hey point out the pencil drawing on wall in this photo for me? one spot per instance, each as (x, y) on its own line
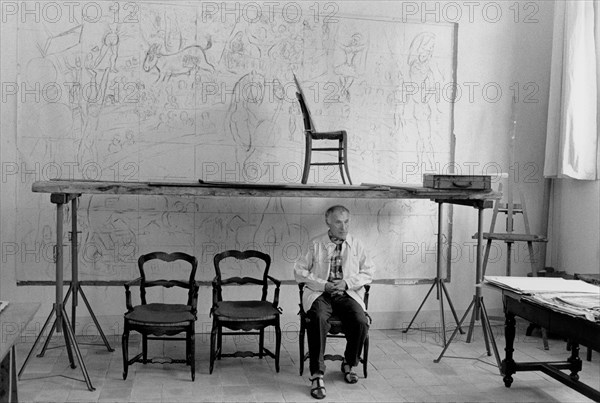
(172, 92)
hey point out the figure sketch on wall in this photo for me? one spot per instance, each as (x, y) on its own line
(239, 54)
(423, 73)
(99, 63)
(250, 120)
(348, 71)
(262, 38)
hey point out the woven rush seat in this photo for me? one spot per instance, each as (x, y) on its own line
(160, 314)
(246, 311)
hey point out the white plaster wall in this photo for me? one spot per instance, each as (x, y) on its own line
(495, 51)
(575, 227)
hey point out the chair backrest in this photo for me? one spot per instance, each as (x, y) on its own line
(308, 123)
(167, 257)
(219, 280)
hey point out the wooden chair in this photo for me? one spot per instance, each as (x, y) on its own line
(336, 331)
(158, 320)
(248, 317)
(312, 134)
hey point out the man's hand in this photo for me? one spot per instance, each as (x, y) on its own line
(340, 285)
(336, 287)
(329, 288)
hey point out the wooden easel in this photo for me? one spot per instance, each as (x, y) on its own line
(510, 237)
(510, 209)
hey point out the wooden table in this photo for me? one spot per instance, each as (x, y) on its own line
(577, 330)
(592, 278)
(13, 320)
(65, 191)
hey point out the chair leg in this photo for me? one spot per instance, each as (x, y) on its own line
(261, 343)
(145, 349)
(345, 146)
(187, 348)
(277, 346)
(219, 342)
(341, 160)
(366, 356)
(213, 339)
(301, 347)
(125, 348)
(192, 356)
(307, 159)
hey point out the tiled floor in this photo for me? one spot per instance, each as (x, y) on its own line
(401, 368)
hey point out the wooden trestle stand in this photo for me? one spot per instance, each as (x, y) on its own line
(62, 323)
(477, 305)
(438, 283)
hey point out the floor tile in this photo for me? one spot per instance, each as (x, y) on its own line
(400, 369)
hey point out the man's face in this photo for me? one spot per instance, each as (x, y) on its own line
(339, 222)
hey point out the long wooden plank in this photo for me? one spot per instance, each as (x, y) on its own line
(253, 190)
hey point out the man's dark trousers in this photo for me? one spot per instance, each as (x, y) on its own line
(355, 326)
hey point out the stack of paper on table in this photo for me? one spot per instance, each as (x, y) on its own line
(533, 285)
(574, 297)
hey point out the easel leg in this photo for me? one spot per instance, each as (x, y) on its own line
(478, 272)
(455, 331)
(420, 306)
(92, 315)
(440, 297)
(451, 307)
(68, 341)
(35, 343)
(472, 323)
(477, 303)
(486, 323)
(438, 284)
(45, 347)
(71, 338)
(484, 329)
(37, 339)
(89, 308)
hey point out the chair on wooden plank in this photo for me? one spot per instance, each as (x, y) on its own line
(160, 320)
(311, 134)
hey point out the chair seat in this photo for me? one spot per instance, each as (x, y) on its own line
(327, 135)
(160, 314)
(245, 311)
(334, 321)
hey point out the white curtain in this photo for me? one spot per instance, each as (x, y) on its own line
(572, 143)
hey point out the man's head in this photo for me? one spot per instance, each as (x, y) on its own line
(338, 221)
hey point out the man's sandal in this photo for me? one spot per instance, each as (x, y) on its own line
(318, 391)
(349, 375)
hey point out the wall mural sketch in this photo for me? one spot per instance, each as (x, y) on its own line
(157, 91)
